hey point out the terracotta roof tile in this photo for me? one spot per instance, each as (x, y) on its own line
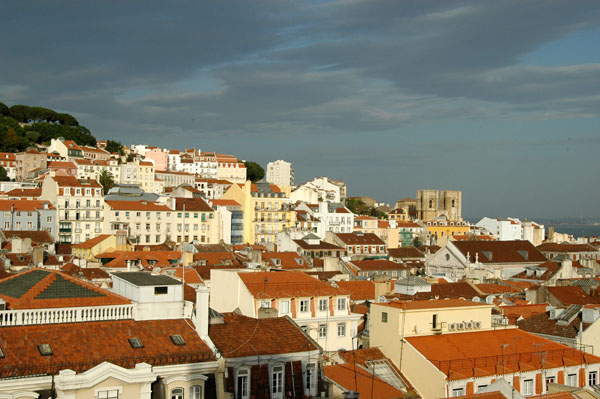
(81, 346)
(40, 237)
(357, 379)
(469, 354)
(42, 288)
(285, 260)
(556, 247)
(241, 336)
(24, 205)
(289, 284)
(92, 242)
(359, 289)
(360, 239)
(405, 252)
(570, 295)
(192, 205)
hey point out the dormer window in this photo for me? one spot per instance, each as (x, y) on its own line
(45, 350)
(136, 343)
(177, 340)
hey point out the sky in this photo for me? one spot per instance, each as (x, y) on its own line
(500, 99)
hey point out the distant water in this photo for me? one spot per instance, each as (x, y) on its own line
(578, 230)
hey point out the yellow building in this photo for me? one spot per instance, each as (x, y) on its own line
(384, 229)
(266, 208)
(102, 243)
(145, 176)
(440, 230)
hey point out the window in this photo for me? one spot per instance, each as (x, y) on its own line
(265, 304)
(322, 330)
(341, 303)
(528, 387)
(322, 304)
(242, 389)
(161, 290)
(434, 321)
(284, 307)
(108, 394)
(341, 327)
(196, 392)
(310, 380)
(277, 382)
(549, 380)
(177, 340)
(458, 392)
(136, 343)
(177, 393)
(304, 305)
(572, 380)
(45, 350)
(592, 378)
(384, 317)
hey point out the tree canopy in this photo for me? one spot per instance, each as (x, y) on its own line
(3, 174)
(254, 171)
(106, 180)
(358, 207)
(22, 126)
(114, 146)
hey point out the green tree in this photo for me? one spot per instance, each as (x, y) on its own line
(106, 180)
(114, 146)
(254, 171)
(3, 174)
(416, 242)
(4, 110)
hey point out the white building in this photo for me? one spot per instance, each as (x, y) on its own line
(320, 189)
(280, 173)
(510, 229)
(330, 217)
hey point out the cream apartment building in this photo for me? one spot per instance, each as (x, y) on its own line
(320, 309)
(267, 210)
(79, 204)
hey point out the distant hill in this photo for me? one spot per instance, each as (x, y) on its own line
(22, 126)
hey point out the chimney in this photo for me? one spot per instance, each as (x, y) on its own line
(201, 321)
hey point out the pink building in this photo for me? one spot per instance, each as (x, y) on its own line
(159, 158)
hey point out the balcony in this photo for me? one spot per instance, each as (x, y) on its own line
(23, 317)
(64, 230)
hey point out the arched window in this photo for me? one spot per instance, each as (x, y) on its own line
(431, 203)
(452, 203)
(177, 393)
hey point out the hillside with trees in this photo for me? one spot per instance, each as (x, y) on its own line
(22, 126)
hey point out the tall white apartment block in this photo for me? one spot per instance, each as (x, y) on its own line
(280, 173)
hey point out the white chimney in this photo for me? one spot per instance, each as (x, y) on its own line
(201, 322)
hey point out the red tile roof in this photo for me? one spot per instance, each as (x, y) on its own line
(148, 259)
(289, 284)
(359, 290)
(470, 354)
(556, 247)
(360, 239)
(192, 205)
(519, 251)
(541, 323)
(496, 288)
(25, 192)
(217, 259)
(285, 260)
(348, 377)
(37, 236)
(379, 264)
(42, 288)
(92, 242)
(241, 336)
(81, 346)
(225, 202)
(137, 206)
(70, 181)
(569, 295)
(433, 304)
(405, 252)
(24, 205)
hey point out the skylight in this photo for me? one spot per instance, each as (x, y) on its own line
(178, 340)
(45, 350)
(1, 353)
(136, 343)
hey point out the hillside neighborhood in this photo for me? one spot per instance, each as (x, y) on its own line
(164, 273)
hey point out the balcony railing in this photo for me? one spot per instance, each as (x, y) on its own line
(23, 317)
